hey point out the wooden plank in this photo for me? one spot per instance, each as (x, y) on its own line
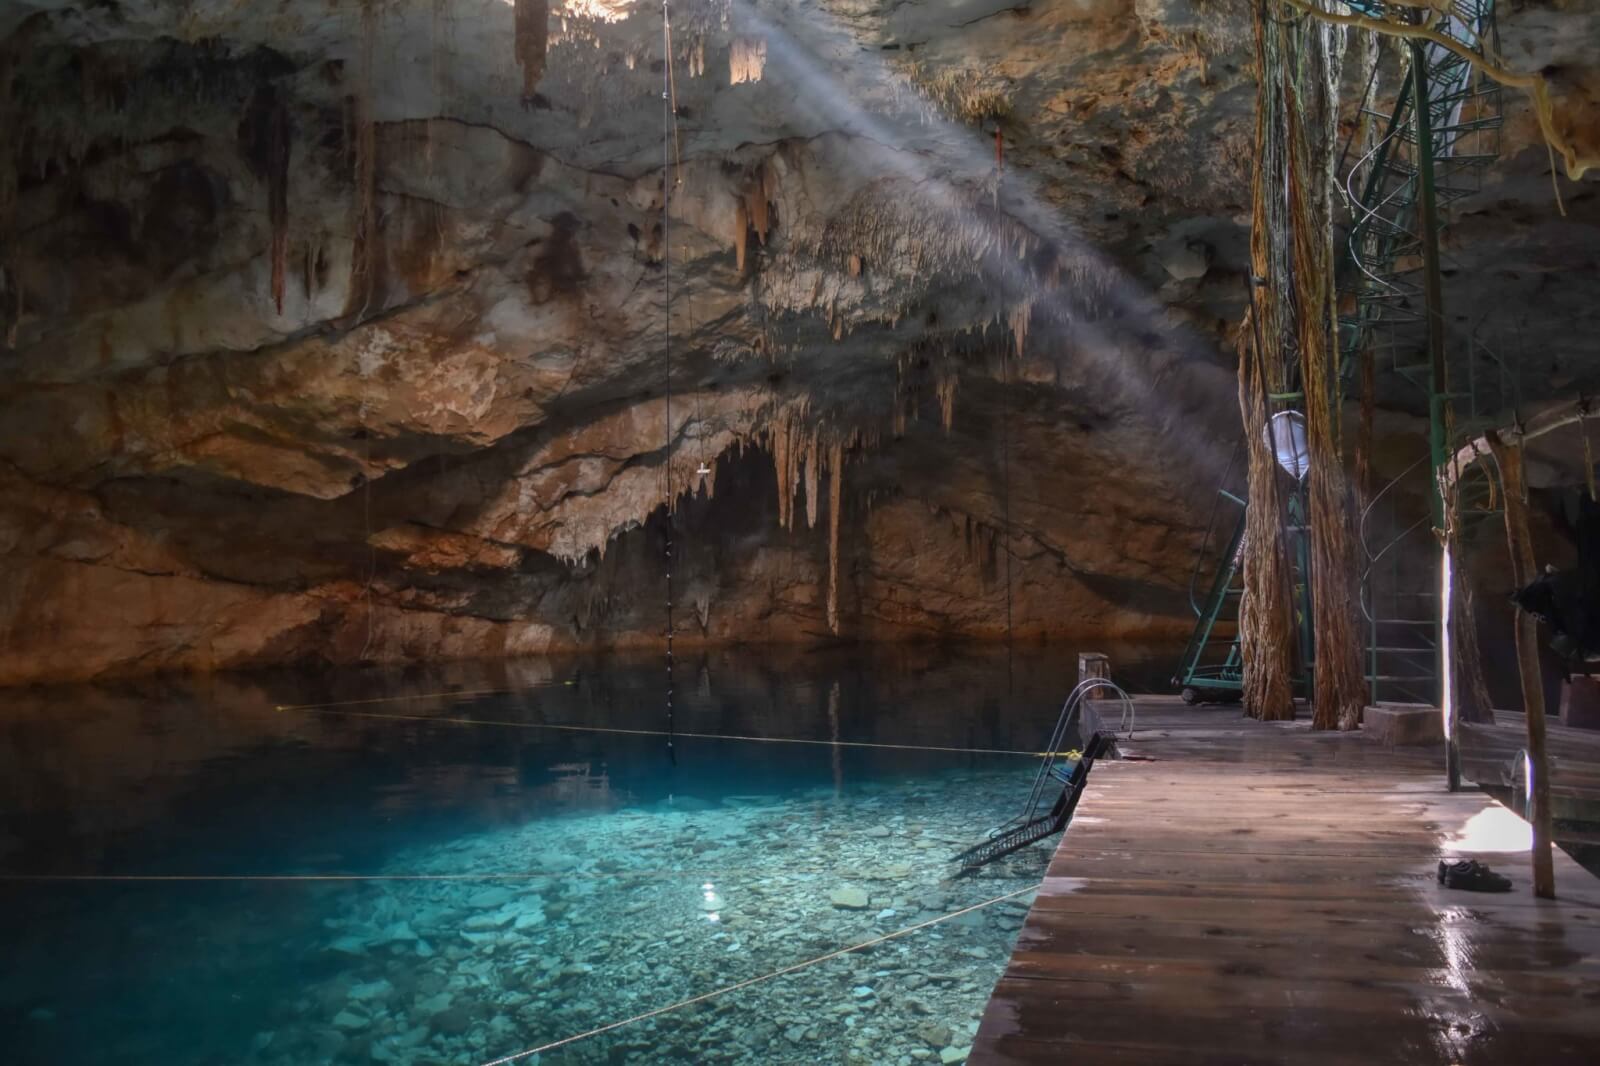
(1273, 899)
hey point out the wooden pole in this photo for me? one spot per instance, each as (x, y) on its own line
(1512, 482)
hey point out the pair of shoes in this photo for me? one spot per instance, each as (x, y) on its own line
(1470, 875)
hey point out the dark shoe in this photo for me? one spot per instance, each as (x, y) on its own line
(1469, 875)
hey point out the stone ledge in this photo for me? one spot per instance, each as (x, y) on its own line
(1403, 723)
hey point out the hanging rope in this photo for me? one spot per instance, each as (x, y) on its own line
(1266, 620)
(668, 113)
(1005, 481)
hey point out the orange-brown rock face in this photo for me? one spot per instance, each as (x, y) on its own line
(344, 333)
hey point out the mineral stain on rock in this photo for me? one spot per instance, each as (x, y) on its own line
(345, 336)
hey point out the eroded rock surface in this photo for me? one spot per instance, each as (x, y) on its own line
(343, 332)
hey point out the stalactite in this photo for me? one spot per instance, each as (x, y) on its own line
(1018, 319)
(747, 59)
(756, 209)
(741, 233)
(697, 58)
(278, 199)
(10, 285)
(780, 438)
(364, 254)
(835, 497)
(813, 460)
(795, 453)
(945, 387)
(532, 21)
(264, 140)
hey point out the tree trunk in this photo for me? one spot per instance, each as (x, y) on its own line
(1266, 616)
(1341, 688)
(1509, 458)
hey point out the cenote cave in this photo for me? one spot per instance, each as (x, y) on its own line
(859, 532)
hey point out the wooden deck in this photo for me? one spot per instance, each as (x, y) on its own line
(1261, 894)
(1489, 754)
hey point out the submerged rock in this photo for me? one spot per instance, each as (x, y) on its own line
(350, 1020)
(853, 899)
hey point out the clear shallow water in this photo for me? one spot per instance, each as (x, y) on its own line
(428, 878)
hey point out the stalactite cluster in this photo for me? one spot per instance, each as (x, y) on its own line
(753, 210)
(277, 145)
(10, 289)
(747, 59)
(532, 39)
(364, 157)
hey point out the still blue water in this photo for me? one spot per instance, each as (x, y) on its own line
(460, 864)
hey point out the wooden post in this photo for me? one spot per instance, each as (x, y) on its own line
(1094, 664)
(1509, 458)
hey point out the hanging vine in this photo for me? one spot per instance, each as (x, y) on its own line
(1266, 622)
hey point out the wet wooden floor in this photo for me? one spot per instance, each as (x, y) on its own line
(1260, 894)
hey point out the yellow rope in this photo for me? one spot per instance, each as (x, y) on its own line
(320, 709)
(1534, 84)
(424, 696)
(714, 993)
(688, 873)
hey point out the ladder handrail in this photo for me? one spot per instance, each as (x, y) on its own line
(1211, 522)
(1070, 709)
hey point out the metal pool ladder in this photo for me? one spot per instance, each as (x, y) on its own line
(1038, 821)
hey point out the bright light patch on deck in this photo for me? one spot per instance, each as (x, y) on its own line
(1493, 829)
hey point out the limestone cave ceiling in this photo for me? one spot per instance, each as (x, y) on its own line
(338, 329)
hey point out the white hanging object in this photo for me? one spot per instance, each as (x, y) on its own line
(1286, 436)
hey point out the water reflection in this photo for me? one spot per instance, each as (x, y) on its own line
(424, 887)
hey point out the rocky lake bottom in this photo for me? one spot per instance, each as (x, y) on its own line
(643, 909)
(286, 890)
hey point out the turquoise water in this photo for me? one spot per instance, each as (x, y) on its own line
(212, 872)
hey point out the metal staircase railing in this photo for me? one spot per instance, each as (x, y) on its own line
(1057, 767)
(1210, 665)
(1387, 286)
(1433, 156)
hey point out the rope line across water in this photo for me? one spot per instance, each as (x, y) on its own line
(692, 874)
(714, 993)
(424, 696)
(446, 720)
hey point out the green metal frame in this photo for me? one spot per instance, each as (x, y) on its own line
(1414, 171)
